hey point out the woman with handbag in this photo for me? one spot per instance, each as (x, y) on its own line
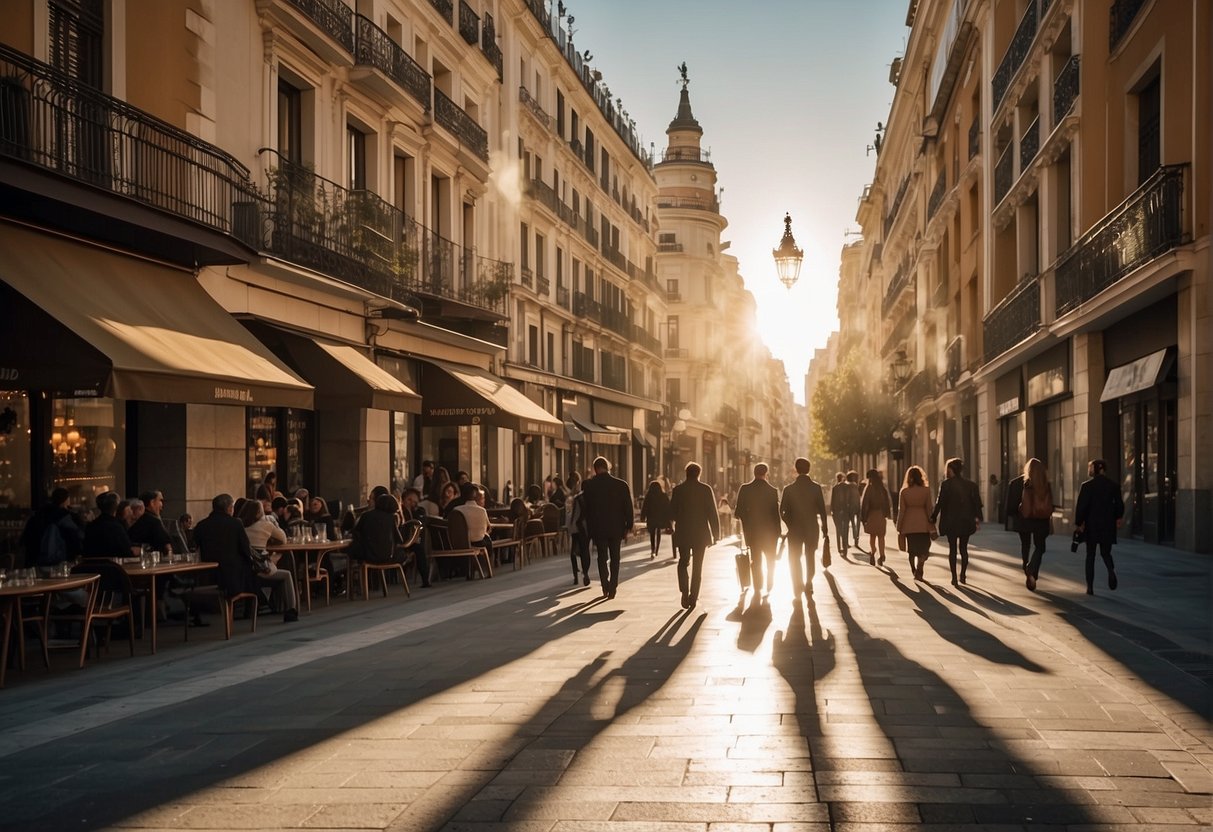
(914, 519)
(1035, 515)
(959, 513)
(875, 507)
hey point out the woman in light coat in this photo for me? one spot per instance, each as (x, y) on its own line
(914, 518)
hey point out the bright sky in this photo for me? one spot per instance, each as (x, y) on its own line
(788, 93)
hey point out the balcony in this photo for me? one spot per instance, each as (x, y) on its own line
(124, 158)
(675, 352)
(921, 387)
(532, 106)
(1014, 319)
(1065, 90)
(526, 277)
(616, 259)
(688, 202)
(469, 24)
(937, 194)
(975, 137)
(895, 206)
(686, 154)
(1004, 173)
(357, 237)
(954, 357)
(375, 49)
(1146, 225)
(446, 8)
(1120, 20)
(489, 47)
(1029, 145)
(669, 248)
(470, 134)
(543, 286)
(562, 296)
(1016, 52)
(326, 26)
(902, 279)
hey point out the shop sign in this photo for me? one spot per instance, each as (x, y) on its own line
(1009, 407)
(478, 411)
(9, 374)
(234, 394)
(1133, 377)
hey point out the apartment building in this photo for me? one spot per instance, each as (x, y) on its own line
(1037, 232)
(586, 310)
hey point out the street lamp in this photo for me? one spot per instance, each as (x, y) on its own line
(900, 369)
(788, 257)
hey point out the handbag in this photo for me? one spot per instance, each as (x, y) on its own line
(742, 560)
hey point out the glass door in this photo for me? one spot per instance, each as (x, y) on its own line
(1130, 468)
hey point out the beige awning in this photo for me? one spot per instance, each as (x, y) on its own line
(81, 321)
(1134, 377)
(456, 394)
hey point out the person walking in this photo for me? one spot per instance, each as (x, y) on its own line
(1035, 515)
(1014, 494)
(801, 507)
(655, 514)
(696, 527)
(608, 519)
(914, 519)
(958, 511)
(579, 543)
(1100, 511)
(875, 507)
(758, 511)
(856, 515)
(843, 497)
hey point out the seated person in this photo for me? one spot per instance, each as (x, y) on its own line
(413, 512)
(449, 499)
(318, 515)
(473, 511)
(260, 532)
(377, 533)
(350, 518)
(106, 536)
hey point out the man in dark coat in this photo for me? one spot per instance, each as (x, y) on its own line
(377, 533)
(1099, 512)
(608, 519)
(758, 511)
(696, 527)
(1011, 512)
(221, 539)
(33, 537)
(105, 536)
(803, 504)
(149, 528)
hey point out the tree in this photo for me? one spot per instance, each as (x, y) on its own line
(851, 414)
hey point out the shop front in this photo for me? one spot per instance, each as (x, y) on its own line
(1012, 436)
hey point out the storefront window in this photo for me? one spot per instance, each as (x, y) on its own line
(88, 451)
(299, 444)
(16, 497)
(280, 440)
(402, 467)
(1055, 426)
(262, 445)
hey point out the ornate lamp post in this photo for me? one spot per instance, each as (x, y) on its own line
(788, 257)
(899, 369)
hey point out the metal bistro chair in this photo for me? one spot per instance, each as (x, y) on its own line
(449, 539)
(365, 567)
(550, 515)
(111, 601)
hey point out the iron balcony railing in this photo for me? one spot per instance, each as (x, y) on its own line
(693, 202)
(891, 216)
(526, 277)
(453, 117)
(1120, 19)
(1065, 90)
(669, 247)
(1004, 173)
(1016, 52)
(446, 8)
(333, 17)
(543, 286)
(534, 108)
(686, 154)
(562, 296)
(955, 362)
(376, 49)
(921, 387)
(469, 24)
(975, 136)
(1146, 225)
(489, 47)
(357, 237)
(1029, 145)
(1014, 319)
(937, 194)
(901, 330)
(616, 259)
(52, 121)
(902, 279)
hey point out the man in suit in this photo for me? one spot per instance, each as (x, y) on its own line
(696, 527)
(758, 511)
(1011, 512)
(608, 519)
(1099, 512)
(803, 504)
(221, 539)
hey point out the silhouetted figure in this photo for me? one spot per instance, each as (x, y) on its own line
(958, 510)
(758, 511)
(1098, 514)
(914, 518)
(696, 527)
(801, 507)
(1035, 515)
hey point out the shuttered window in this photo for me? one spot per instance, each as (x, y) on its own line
(76, 30)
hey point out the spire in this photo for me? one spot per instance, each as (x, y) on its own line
(685, 120)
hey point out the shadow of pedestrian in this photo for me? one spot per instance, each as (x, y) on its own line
(754, 622)
(993, 603)
(957, 630)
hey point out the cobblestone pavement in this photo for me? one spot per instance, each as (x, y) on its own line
(527, 703)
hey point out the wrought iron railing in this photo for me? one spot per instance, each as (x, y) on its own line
(446, 8)
(469, 24)
(1147, 224)
(901, 330)
(543, 286)
(686, 154)
(692, 202)
(616, 259)
(669, 247)
(376, 49)
(534, 108)
(1065, 90)
(921, 387)
(526, 277)
(954, 357)
(53, 122)
(489, 47)
(902, 279)
(1004, 173)
(453, 117)
(357, 237)
(1029, 145)
(937, 193)
(333, 17)
(1017, 50)
(975, 136)
(1120, 19)
(562, 296)
(1015, 318)
(891, 216)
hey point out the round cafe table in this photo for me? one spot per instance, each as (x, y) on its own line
(10, 597)
(302, 553)
(138, 573)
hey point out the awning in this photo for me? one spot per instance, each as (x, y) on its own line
(83, 322)
(456, 394)
(573, 433)
(343, 376)
(595, 432)
(1134, 377)
(641, 439)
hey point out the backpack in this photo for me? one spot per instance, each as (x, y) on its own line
(52, 548)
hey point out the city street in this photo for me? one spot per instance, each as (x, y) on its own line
(527, 703)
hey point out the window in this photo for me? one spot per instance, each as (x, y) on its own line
(1149, 130)
(559, 114)
(672, 339)
(673, 391)
(532, 346)
(666, 238)
(551, 352)
(540, 255)
(290, 123)
(559, 266)
(671, 289)
(356, 157)
(76, 29)
(524, 256)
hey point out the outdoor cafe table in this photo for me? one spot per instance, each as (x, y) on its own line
(319, 548)
(138, 573)
(11, 596)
